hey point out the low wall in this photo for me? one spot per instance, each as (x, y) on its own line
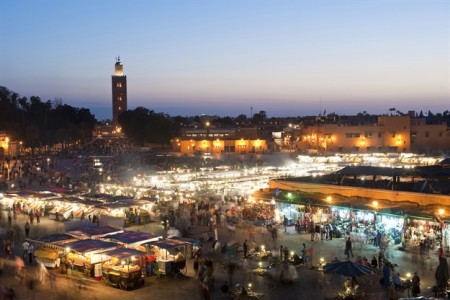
(372, 194)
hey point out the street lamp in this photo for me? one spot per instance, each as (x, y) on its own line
(289, 196)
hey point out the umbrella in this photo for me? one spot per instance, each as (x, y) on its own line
(347, 268)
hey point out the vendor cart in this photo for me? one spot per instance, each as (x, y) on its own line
(170, 255)
(124, 269)
(123, 279)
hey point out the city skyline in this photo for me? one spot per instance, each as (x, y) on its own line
(288, 58)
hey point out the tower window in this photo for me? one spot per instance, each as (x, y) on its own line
(119, 84)
(119, 98)
(120, 108)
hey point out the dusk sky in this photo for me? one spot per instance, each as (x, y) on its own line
(186, 57)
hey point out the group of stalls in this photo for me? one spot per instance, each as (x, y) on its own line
(407, 228)
(120, 258)
(367, 224)
(68, 206)
(423, 232)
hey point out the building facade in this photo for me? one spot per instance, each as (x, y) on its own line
(216, 141)
(119, 91)
(389, 134)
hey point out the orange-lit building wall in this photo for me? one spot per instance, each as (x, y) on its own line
(433, 138)
(220, 146)
(390, 134)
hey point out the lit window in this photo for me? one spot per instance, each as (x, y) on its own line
(119, 84)
(120, 108)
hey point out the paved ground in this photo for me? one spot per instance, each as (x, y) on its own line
(310, 283)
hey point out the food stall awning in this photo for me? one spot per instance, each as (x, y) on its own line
(122, 253)
(131, 237)
(167, 243)
(47, 253)
(63, 191)
(93, 232)
(57, 240)
(377, 171)
(35, 194)
(68, 199)
(110, 198)
(186, 240)
(84, 246)
(149, 199)
(114, 205)
(140, 202)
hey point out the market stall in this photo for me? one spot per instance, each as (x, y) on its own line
(93, 232)
(391, 226)
(169, 255)
(419, 230)
(132, 239)
(259, 212)
(67, 208)
(192, 245)
(50, 248)
(87, 256)
(356, 221)
(128, 209)
(124, 268)
(49, 257)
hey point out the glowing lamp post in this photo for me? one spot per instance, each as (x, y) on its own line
(289, 196)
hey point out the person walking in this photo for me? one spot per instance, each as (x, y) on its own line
(312, 230)
(386, 275)
(348, 248)
(27, 229)
(25, 246)
(285, 223)
(30, 254)
(38, 216)
(245, 246)
(286, 254)
(374, 263)
(378, 239)
(281, 253)
(415, 285)
(305, 260)
(330, 233)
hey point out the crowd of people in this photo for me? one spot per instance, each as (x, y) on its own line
(205, 212)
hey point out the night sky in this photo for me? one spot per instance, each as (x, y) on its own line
(289, 58)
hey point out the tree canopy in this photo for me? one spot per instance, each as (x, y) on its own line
(37, 123)
(142, 125)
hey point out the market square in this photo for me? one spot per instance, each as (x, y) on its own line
(81, 236)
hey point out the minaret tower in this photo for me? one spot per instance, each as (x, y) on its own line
(119, 91)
